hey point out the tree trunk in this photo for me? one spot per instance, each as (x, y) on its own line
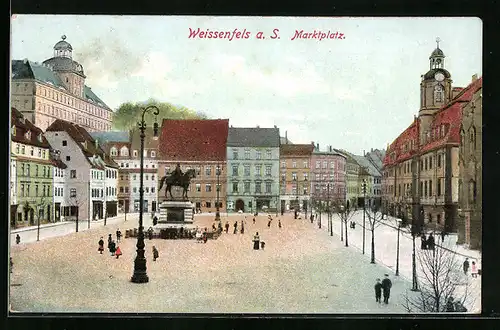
(346, 240)
(373, 246)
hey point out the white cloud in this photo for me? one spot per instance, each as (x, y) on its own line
(154, 67)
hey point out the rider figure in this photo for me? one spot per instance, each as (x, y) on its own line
(177, 172)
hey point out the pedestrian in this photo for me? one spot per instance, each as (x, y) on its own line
(112, 247)
(466, 266)
(118, 235)
(110, 239)
(269, 223)
(213, 227)
(219, 227)
(155, 220)
(256, 241)
(378, 290)
(242, 228)
(118, 252)
(227, 226)
(430, 242)
(205, 235)
(386, 287)
(155, 253)
(101, 245)
(279, 223)
(18, 239)
(312, 218)
(473, 269)
(443, 234)
(254, 220)
(450, 306)
(423, 244)
(150, 233)
(235, 227)
(262, 245)
(11, 264)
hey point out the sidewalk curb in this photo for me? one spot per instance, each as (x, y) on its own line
(30, 228)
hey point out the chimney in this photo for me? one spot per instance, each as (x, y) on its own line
(258, 126)
(371, 150)
(286, 137)
(364, 153)
(317, 146)
(474, 77)
(25, 61)
(275, 126)
(330, 148)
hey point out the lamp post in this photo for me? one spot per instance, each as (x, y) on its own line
(217, 210)
(397, 249)
(364, 213)
(329, 210)
(140, 275)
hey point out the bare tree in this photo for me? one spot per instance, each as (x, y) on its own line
(375, 217)
(345, 214)
(443, 287)
(39, 210)
(76, 203)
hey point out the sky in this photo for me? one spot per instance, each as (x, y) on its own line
(356, 91)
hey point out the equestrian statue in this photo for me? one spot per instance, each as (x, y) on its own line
(179, 179)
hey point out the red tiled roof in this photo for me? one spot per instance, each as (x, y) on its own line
(397, 147)
(193, 139)
(81, 136)
(296, 149)
(449, 117)
(23, 125)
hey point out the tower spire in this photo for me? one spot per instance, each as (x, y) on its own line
(437, 41)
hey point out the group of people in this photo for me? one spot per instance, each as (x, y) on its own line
(270, 220)
(113, 248)
(427, 243)
(474, 271)
(235, 226)
(383, 287)
(202, 235)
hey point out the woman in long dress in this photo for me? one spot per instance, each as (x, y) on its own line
(256, 241)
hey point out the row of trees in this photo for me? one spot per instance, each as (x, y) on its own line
(128, 114)
(442, 285)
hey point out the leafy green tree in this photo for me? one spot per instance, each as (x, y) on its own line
(128, 114)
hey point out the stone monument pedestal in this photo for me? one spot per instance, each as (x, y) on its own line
(175, 214)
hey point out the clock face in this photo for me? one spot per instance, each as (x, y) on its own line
(439, 76)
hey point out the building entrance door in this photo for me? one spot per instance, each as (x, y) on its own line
(240, 205)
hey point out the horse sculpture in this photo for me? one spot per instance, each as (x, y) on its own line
(183, 181)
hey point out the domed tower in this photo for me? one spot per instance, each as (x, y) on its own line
(435, 90)
(70, 72)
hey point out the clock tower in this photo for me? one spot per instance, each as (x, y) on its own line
(435, 90)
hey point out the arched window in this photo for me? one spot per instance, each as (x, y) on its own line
(124, 151)
(462, 140)
(472, 138)
(438, 93)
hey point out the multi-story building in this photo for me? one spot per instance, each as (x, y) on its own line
(376, 157)
(372, 177)
(133, 170)
(470, 198)
(421, 165)
(353, 192)
(56, 89)
(13, 188)
(59, 183)
(198, 145)
(253, 177)
(328, 175)
(295, 176)
(86, 162)
(117, 145)
(33, 170)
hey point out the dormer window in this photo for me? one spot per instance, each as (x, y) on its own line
(40, 138)
(28, 135)
(13, 130)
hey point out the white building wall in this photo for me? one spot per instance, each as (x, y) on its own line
(13, 182)
(150, 184)
(73, 180)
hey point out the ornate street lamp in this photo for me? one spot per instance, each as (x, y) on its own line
(140, 275)
(217, 213)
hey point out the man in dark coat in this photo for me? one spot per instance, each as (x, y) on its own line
(155, 220)
(378, 291)
(18, 239)
(386, 287)
(430, 242)
(178, 172)
(466, 266)
(155, 253)
(112, 248)
(423, 244)
(227, 227)
(235, 227)
(443, 234)
(118, 235)
(101, 245)
(110, 239)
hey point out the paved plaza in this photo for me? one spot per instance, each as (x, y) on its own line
(301, 270)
